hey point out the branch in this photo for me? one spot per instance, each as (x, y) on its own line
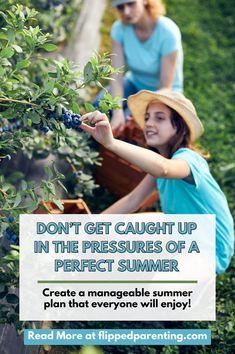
(4, 99)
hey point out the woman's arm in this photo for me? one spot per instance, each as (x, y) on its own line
(118, 118)
(167, 70)
(117, 62)
(132, 201)
(149, 161)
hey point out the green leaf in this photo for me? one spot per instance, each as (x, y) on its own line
(22, 64)
(24, 185)
(32, 206)
(48, 171)
(88, 71)
(10, 35)
(51, 188)
(3, 35)
(49, 47)
(15, 247)
(89, 107)
(17, 200)
(7, 52)
(45, 194)
(2, 71)
(62, 186)
(35, 117)
(29, 41)
(49, 85)
(75, 107)
(58, 174)
(58, 203)
(17, 48)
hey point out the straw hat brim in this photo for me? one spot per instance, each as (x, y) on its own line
(139, 102)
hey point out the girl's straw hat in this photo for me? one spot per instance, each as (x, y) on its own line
(139, 102)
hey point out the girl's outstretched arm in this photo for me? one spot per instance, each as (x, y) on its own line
(149, 161)
(132, 201)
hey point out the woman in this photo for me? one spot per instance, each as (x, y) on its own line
(149, 45)
(175, 167)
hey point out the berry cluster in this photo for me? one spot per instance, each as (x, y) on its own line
(70, 120)
(10, 127)
(10, 234)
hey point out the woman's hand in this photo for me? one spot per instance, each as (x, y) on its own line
(101, 131)
(118, 121)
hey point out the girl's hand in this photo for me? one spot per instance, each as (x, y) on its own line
(101, 131)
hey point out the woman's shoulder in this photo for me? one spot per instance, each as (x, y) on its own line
(167, 25)
(117, 25)
(117, 31)
(120, 29)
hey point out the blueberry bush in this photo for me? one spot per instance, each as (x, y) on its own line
(40, 107)
(58, 17)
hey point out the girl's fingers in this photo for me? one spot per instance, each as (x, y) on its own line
(87, 128)
(94, 117)
(102, 123)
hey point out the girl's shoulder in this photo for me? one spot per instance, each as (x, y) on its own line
(188, 154)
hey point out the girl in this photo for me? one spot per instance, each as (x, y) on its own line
(149, 45)
(179, 172)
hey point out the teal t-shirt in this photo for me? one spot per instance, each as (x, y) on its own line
(143, 58)
(204, 197)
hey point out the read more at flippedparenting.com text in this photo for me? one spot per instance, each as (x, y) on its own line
(117, 336)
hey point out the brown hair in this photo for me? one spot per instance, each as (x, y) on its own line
(182, 137)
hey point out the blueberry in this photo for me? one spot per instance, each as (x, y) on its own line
(45, 130)
(13, 237)
(8, 233)
(8, 236)
(68, 123)
(49, 114)
(6, 128)
(78, 173)
(76, 122)
(11, 218)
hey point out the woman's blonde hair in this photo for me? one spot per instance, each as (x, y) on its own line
(155, 8)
